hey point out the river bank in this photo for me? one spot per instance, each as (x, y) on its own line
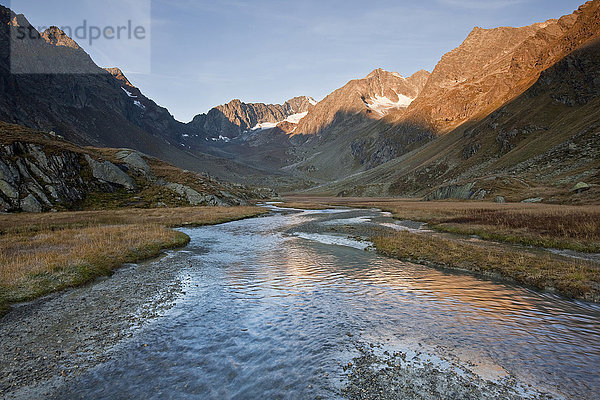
(519, 242)
(44, 253)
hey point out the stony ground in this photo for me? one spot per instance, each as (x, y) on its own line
(379, 374)
(55, 338)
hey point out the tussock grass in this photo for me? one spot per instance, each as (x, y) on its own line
(563, 229)
(43, 253)
(574, 279)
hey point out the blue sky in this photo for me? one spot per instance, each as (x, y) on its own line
(205, 53)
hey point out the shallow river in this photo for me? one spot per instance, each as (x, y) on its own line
(274, 306)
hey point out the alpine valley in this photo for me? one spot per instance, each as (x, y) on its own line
(511, 112)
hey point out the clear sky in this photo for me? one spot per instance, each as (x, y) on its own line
(205, 53)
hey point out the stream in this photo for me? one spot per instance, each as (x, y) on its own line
(284, 306)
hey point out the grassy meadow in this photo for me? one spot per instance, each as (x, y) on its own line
(43, 253)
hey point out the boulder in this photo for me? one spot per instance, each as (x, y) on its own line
(135, 161)
(480, 195)
(193, 197)
(463, 192)
(580, 187)
(30, 204)
(533, 200)
(109, 172)
(499, 199)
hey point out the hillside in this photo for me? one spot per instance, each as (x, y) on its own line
(492, 68)
(41, 172)
(540, 145)
(91, 106)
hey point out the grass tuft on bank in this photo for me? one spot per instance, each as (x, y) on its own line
(542, 225)
(574, 279)
(44, 253)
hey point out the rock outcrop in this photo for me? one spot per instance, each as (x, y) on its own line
(40, 173)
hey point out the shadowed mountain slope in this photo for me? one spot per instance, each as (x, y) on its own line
(540, 145)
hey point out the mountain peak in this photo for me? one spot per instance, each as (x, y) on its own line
(57, 37)
(118, 74)
(381, 71)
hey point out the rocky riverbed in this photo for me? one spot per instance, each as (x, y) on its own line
(51, 340)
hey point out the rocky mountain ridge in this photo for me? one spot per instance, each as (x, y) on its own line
(71, 96)
(493, 66)
(228, 121)
(374, 96)
(542, 146)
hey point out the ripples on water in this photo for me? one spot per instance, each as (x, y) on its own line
(271, 315)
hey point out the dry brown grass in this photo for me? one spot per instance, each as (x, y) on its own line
(42, 253)
(542, 225)
(36, 264)
(571, 278)
(303, 205)
(171, 217)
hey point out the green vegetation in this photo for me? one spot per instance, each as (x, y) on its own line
(43, 253)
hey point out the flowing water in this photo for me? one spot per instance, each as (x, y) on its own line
(274, 306)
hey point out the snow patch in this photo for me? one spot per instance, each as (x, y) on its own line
(140, 105)
(129, 93)
(221, 138)
(295, 118)
(312, 101)
(263, 126)
(382, 105)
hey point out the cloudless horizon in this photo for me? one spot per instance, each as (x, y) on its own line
(206, 53)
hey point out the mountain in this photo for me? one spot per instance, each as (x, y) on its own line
(374, 96)
(505, 102)
(228, 121)
(41, 172)
(541, 143)
(65, 92)
(492, 66)
(337, 126)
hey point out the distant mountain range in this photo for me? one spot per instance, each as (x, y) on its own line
(511, 112)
